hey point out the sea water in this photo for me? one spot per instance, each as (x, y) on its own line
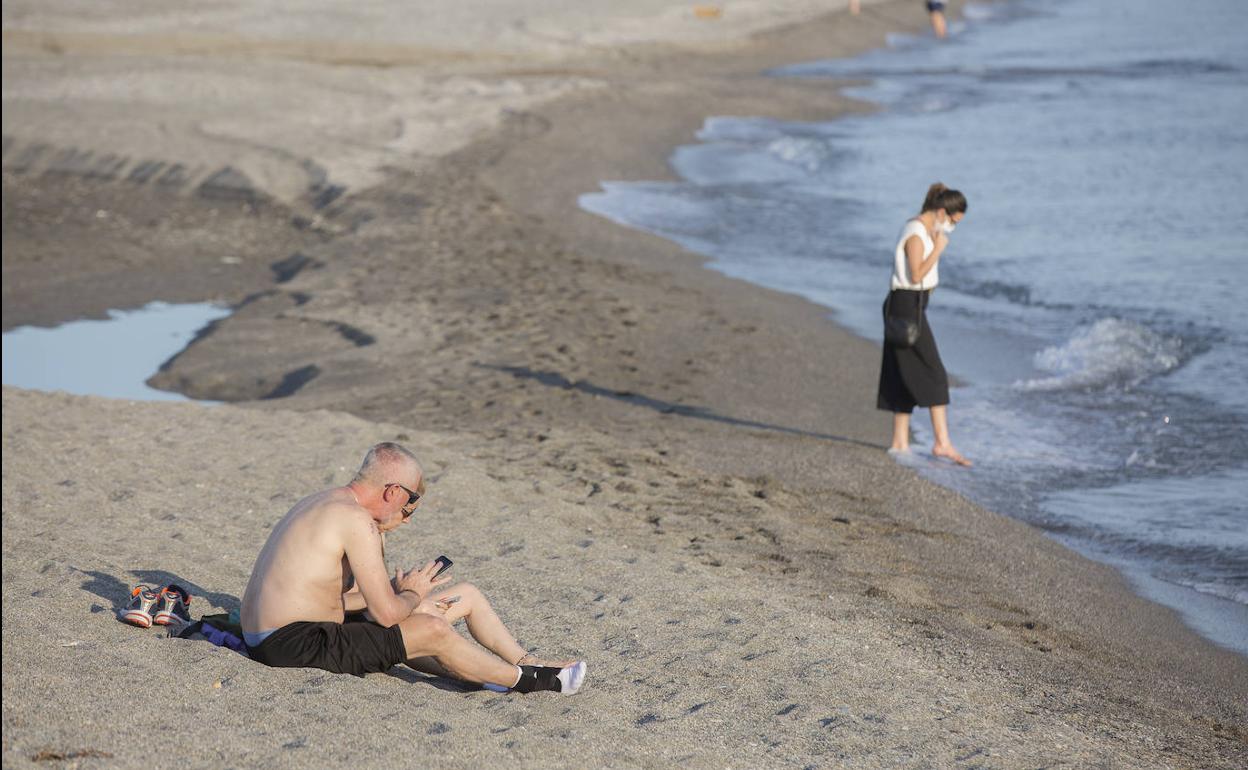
(111, 357)
(1095, 299)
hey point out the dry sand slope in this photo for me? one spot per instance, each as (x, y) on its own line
(671, 474)
(692, 660)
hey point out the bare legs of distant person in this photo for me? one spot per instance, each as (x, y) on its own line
(435, 647)
(943, 446)
(938, 23)
(940, 427)
(901, 432)
(855, 6)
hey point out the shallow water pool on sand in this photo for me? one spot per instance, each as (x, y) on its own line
(112, 357)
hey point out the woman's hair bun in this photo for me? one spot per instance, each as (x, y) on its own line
(941, 197)
(932, 192)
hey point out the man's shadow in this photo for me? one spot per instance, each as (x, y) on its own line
(445, 682)
(117, 592)
(556, 380)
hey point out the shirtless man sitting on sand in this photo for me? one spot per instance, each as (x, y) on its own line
(295, 609)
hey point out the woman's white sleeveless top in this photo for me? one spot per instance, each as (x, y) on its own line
(901, 270)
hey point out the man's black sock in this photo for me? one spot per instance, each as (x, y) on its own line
(535, 678)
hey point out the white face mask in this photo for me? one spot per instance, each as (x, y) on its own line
(948, 226)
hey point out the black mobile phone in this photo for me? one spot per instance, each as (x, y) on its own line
(443, 565)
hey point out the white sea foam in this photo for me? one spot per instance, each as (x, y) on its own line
(979, 11)
(1109, 352)
(1211, 588)
(646, 205)
(806, 153)
(898, 40)
(735, 129)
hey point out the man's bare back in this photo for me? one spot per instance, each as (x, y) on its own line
(303, 571)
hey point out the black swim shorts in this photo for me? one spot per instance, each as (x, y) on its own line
(356, 647)
(935, 5)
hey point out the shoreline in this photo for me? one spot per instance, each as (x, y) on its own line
(1216, 618)
(587, 413)
(597, 230)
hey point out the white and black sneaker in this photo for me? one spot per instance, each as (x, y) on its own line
(174, 607)
(139, 611)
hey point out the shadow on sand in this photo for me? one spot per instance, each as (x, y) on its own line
(411, 675)
(556, 380)
(117, 592)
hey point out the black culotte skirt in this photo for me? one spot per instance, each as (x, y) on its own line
(913, 376)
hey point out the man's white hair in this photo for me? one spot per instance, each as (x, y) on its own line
(385, 460)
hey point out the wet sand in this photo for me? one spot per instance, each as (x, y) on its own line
(675, 475)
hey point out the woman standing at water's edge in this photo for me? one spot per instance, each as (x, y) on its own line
(913, 375)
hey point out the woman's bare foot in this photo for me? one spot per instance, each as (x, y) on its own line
(530, 659)
(949, 453)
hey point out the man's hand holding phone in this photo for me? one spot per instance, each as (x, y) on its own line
(443, 563)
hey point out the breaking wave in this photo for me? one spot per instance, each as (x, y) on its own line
(1109, 353)
(803, 152)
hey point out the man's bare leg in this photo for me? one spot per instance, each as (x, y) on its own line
(938, 23)
(943, 446)
(429, 665)
(428, 635)
(485, 625)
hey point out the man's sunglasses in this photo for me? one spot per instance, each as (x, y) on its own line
(412, 498)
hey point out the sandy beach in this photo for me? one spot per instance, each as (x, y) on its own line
(674, 475)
